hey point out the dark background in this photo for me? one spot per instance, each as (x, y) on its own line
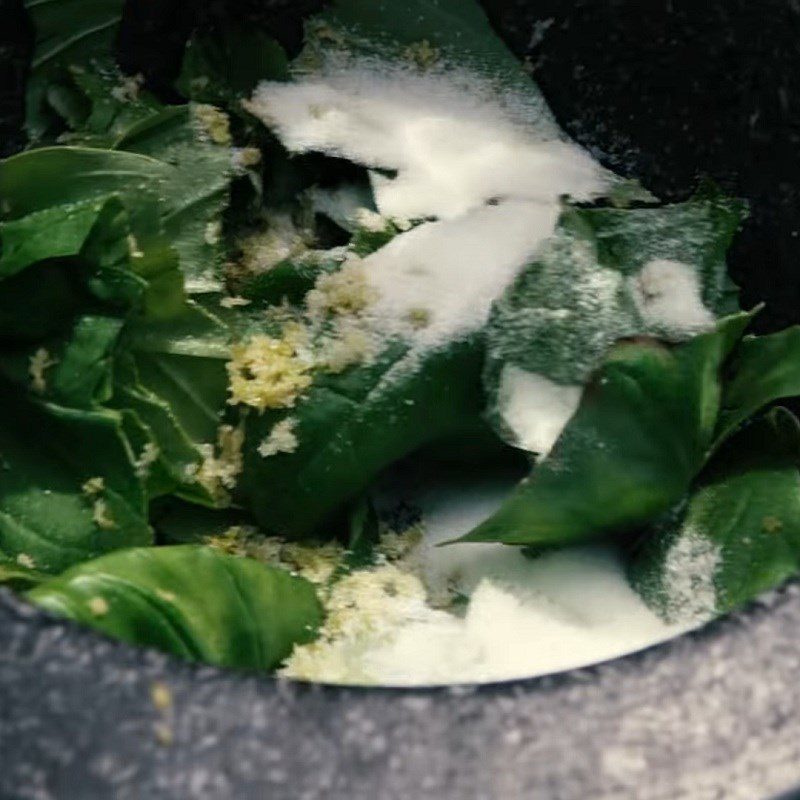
(665, 90)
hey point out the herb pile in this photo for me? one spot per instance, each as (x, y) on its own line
(187, 346)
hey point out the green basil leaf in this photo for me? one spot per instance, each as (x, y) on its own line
(352, 425)
(224, 66)
(47, 455)
(190, 601)
(603, 277)
(68, 32)
(422, 32)
(736, 536)
(764, 369)
(199, 192)
(17, 576)
(640, 435)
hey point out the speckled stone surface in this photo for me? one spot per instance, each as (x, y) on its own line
(711, 716)
(665, 90)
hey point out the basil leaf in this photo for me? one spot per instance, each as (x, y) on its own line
(352, 425)
(68, 32)
(224, 66)
(736, 536)
(603, 277)
(190, 601)
(18, 577)
(641, 434)
(422, 32)
(49, 453)
(764, 369)
(199, 191)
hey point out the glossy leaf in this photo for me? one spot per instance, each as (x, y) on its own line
(736, 536)
(422, 32)
(18, 577)
(765, 369)
(224, 66)
(49, 452)
(352, 425)
(197, 194)
(582, 293)
(67, 32)
(638, 439)
(193, 602)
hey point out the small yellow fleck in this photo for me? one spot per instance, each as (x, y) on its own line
(326, 33)
(265, 372)
(25, 560)
(234, 302)
(40, 362)
(169, 597)
(128, 90)
(244, 157)
(164, 734)
(149, 455)
(347, 291)
(98, 606)
(282, 439)
(161, 695)
(771, 524)
(101, 514)
(419, 318)
(213, 232)
(423, 54)
(221, 466)
(93, 487)
(350, 345)
(214, 122)
(133, 247)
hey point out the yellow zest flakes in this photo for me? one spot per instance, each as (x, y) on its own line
(234, 302)
(149, 455)
(163, 733)
(419, 318)
(423, 54)
(221, 466)
(316, 563)
(265, 372)
(93, 487)
(133, 247)
(40, 362)
(213, 232)
(326, 33)
(245, 157)
(129, 88)
(281, 439)
(24, 560)
(101, 514)
(214, 122)
(347, 291)
(351, 345)
(161, 696)
(98, 606)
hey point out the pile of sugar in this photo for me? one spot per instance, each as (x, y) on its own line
(486, 184)
(535, 408)
(523, 617)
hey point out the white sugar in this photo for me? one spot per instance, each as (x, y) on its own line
(487, 181)
(453, 144)
(453, 270)
(524, 617)
(667, 295)
(534, 408)
(688, 577)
